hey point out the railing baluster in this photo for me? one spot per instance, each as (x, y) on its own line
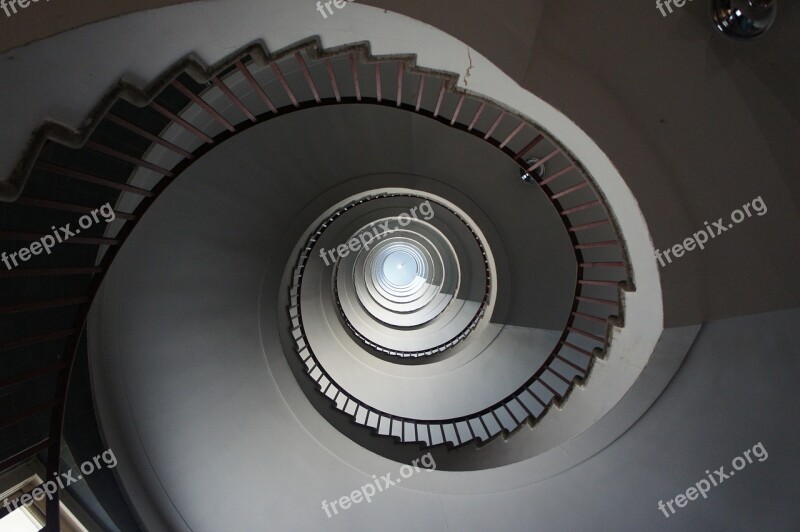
(354, 71)
(582, 207)
(83, 176)
(378, 87)
(458, 109)
(48, 272)
(399, 98)
(544, 159)
(181, 122)
(19, 235)
(300, 61)
(528, 147)
(602, 265)
(439, 100)
(24, 455)
(570, 190)
(494, 125)
(332, 77)
(577, 349)
(557, 175)
(598, 301)
(233, 98)
(420, 90)
(513, 134)
(203, 105)
(587, 335)
(603, 244)
(561, 377)
(570, 364)
(66, 207)
(256, 87)
(149, 136)
(475, 118)
(105, 150)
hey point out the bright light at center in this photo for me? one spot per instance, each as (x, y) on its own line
(400, 268)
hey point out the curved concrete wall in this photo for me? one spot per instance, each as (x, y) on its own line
(155, 430)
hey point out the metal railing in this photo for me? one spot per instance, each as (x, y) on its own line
(63, 173)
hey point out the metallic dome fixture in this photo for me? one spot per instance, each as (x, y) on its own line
(527, 176)
(743, 19)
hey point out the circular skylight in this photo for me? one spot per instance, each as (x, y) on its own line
(400, 268)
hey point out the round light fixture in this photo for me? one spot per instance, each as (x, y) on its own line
(527, 175)
(743, 19)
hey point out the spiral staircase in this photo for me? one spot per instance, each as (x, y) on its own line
(444, 359)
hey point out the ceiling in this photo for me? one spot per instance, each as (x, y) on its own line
(658, 98)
